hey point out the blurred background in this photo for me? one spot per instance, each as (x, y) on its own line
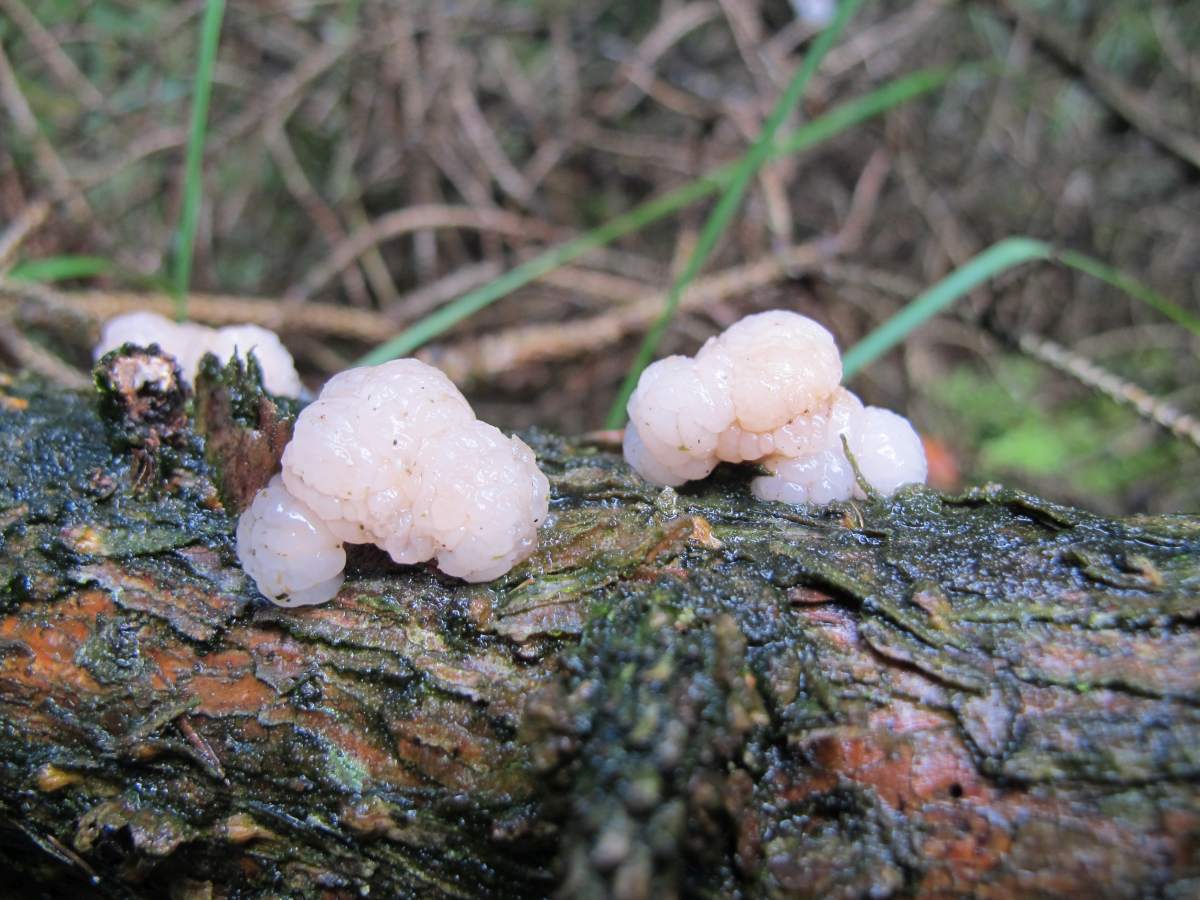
(368, 161)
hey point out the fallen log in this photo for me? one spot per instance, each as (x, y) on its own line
(683, 693)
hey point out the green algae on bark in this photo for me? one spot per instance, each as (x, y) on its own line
(244, 428)
(682, 693)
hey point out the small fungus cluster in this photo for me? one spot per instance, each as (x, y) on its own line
(391, 455)
(767, 390)
(188, 342)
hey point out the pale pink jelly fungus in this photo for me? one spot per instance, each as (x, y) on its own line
(188, 342)
(767, 391)
(394, 456)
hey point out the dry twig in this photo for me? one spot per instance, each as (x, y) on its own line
(336, 322)
(638, 73)
(318, 319)
(139, 148)
(25, 224)
(322, 216)
(285, 93)
(29, 356)
(486, 144)
(26, 124)
(52, 54)
(429, 297)
(1114, 387)
(747, 29)
(492, 355)
(419, 218)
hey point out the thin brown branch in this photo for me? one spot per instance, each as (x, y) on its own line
(517, 85)
(748, 33)
(139, 147)
(603, 285)
(671, 97)
(323, 319)
(864, 201)
(627, 263)
(886, 38)
(27, 126)
(1114, 387)
(493, 355)
(418, 80)
(322, 216)
(30, 357)
(419, 218)
(57, 61)
(26, 223)
(648, 148)
(468, 180)
(877, 280)
(638, 73)
(429, 297)
(483, 139)
(285, 93)
(544, 160)
(374, 265)
(772, 177)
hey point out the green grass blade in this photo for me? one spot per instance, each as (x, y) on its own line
(1135, 289)
(59, 268)
(832, 123)
(998, 258)
(193, 175)
(729, 203)
(859, 110)
(988, 264)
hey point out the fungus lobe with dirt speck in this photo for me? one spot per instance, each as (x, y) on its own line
(767, 391)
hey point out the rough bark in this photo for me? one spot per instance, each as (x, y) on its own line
(683, 693)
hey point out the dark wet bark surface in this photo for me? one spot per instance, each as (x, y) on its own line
(683, 693)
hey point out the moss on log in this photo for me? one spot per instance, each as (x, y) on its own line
(683, 693)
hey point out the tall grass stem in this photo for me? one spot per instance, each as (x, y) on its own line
(193, 169)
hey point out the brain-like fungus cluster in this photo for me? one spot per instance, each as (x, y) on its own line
(767, 390)
(188, 342)
(392, 455)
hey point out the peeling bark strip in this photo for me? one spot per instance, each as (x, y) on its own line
(681, 694)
